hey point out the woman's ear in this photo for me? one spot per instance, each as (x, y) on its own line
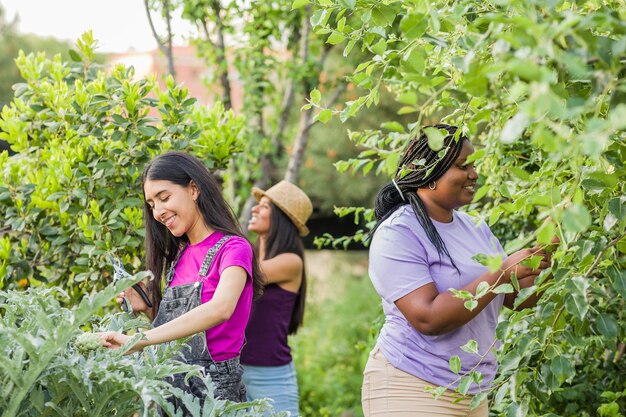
(195, 191)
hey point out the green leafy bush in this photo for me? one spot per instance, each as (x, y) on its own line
(83, 134)
(539, 88)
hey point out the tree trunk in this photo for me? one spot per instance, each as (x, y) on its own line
(267, 169)
(164, 47)
(170, 48)
(299, 146)
(223, 61)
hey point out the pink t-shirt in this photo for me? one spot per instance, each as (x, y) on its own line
(224, 340)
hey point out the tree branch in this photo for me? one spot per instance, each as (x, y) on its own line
(338, 92)
(166, 49)
(599, 256)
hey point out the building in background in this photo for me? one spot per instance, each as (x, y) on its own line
(189, 68)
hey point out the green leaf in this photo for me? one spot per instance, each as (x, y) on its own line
(393, 126)
(493, 262)
(316, 96)
(435, 137)
(465, 384)
(75, 56)
(325, 115)
(380, 47)
(319, 17)
(408, 97)
(523, 295)
(617, 206)
(347, 4)
(470, 304)
(299, 3)
(455, 364)
(576, 218)
(576, 300)
(618, 280)
(546, 233)
(348, 48)
(562, 368)
(413, 25)
(471, 347)
(482, 288)
(119, 119)
(335, 38)
(533, 262)
(148, 130)
(514, 128)
(504, 289)
(607, 326)
(510, 362)
(416, 60)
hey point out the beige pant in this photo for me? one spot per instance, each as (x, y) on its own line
(388, 391)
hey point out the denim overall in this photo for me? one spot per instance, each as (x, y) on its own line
(226, 375)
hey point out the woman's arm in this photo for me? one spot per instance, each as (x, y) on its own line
(282, 269)
(531, 301)
(433, 313)
(216, 311)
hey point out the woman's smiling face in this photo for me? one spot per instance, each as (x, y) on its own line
(457, 186)
(174, 206)
(260, 221)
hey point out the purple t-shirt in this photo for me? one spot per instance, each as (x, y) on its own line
(402, 259)
(224, 340)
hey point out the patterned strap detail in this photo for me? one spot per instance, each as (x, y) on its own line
(170, 270)
(208, 259)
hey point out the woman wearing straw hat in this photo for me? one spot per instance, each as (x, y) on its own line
(279, 220)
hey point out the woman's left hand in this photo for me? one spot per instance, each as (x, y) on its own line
(114, 340)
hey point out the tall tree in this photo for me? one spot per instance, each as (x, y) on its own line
(539, 87)
(265, 61)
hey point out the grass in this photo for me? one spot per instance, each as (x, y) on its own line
(341, 324)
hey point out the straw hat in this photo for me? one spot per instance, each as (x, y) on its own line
(290, 199)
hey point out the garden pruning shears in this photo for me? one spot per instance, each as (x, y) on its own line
(118, 273)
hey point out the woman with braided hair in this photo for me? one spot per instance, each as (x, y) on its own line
(421, 248)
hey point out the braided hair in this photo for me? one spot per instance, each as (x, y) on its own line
(420, 165)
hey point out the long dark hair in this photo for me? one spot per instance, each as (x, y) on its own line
(161, 245)
(419, 166)
(283, 237)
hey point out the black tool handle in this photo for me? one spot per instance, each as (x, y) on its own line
(143, 295)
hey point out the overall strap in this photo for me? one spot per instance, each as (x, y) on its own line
(170, 270)
(210, 255)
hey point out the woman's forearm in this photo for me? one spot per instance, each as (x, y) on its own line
(197, 320)
(446, 312)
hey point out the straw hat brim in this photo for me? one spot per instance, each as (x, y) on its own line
(257, 193)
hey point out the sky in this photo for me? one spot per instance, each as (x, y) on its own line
(118, 25)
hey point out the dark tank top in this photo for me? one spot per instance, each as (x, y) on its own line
(266, 333)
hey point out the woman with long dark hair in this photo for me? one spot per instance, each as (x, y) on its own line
(422, 247)
(279, 221)
(199, 255)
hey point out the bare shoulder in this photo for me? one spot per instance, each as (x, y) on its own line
(289, 261)
(283, 267)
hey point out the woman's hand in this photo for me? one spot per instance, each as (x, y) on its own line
(514, 263)
(114, 340)
(136, 302)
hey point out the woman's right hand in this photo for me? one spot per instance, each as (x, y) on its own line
(514, 263)
(133, 297)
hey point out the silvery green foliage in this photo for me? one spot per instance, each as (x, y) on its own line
(42, 373)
